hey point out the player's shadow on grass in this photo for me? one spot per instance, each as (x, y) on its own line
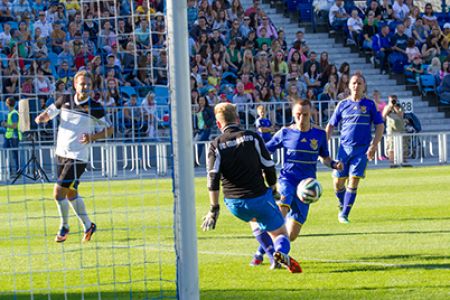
(226, 237)
(374, 233)
(387, 267)
(424, 219)
(405, 256)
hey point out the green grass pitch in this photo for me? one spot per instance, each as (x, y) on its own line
(396, 247)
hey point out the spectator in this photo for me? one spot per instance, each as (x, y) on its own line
(5, 35)
(236, 10)
(355, 27)
(387, 13)
(12, 135)
(369, 30)
(420, 33)
(271, 32)
(412, 50)
(254, 9)
(434, 68)
(344, 69)
(279, 65)
(44, 25)
(132, 117)
(416, 67)
(241, 98)
(234, 33)
(323, 62)
(429, 19)
(5, 11)
(66, 55)
(431, 47)
(398, 58)
(203, 123)
(401, 10)
(57, 38)
(374, 9)
(337, 15)
(393, 114)
(19, 7)
(444, 90)
(149, 109)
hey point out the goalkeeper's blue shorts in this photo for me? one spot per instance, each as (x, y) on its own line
(298, 209)
(262, 208)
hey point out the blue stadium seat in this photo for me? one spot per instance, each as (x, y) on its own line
(409, 76)
(427, 84)
(127, 91)
(161, 94)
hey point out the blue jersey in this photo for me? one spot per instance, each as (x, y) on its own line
(357, 119)
(264, 123)
(301, 151)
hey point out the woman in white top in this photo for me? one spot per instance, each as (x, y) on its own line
(149, 109)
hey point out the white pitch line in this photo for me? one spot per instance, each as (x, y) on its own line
(303, 259)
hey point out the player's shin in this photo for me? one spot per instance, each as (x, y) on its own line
(80, 210)
(265, 242)
(349, 200)
(340, 194)
(282, 244)
(63, 210)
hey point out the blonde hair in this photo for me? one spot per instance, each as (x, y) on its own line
(83, 73)
(225, 113)
(260, 108)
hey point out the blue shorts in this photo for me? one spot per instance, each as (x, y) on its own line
(262, 208)
(355, 161)
(299, 210)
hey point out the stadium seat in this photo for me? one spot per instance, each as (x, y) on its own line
(409, 76)
(427, 84)
(127, 91)
(161, 94)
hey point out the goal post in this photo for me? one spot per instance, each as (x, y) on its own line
(183, 157)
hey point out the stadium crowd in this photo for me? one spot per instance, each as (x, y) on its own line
(236, 54)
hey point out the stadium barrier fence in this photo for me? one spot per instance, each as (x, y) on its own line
(128, 159)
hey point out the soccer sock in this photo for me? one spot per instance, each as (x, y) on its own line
(265, 242)
(340, 195)
(282, 244)
(260, 251)
(349, 199)
(63, 210)
(80, 210)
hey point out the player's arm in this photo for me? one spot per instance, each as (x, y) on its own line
(332, 164)
(329, 130)
(377, 119)
(102, 134)
(213, 178)
(51, 112)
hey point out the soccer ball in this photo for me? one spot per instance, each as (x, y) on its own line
(309, 190)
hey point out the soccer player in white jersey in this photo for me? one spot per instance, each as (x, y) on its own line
(82, 121)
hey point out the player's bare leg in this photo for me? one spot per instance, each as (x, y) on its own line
(293, 229)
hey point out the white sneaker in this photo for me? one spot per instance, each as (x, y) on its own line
(343, 219)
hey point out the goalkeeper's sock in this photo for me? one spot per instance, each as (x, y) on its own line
(80, 210)
(63, 210)
(265, 242)
(349, 200)
(340, 194)
(260, 251)
(282, 244)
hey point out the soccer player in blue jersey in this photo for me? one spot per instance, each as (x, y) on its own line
(356, 116)
(239, 159)
(262, 124)
(302, 143)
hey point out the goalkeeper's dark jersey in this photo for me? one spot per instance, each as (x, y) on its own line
(239, 158)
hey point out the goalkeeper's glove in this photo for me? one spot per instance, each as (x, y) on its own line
(209, 221)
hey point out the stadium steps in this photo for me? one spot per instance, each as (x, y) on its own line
(432, 120)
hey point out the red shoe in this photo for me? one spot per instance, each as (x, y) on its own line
(256, 261)
(88, 233)
(288, 262)
(62, 234)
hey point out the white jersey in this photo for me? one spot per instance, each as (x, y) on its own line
(76, 119)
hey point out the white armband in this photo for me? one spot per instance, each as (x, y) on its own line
(52, 111)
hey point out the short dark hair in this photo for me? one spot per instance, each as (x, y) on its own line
(10, 101)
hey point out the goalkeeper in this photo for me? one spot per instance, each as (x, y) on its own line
(239, 158)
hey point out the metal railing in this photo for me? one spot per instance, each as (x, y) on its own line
(133, 160)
